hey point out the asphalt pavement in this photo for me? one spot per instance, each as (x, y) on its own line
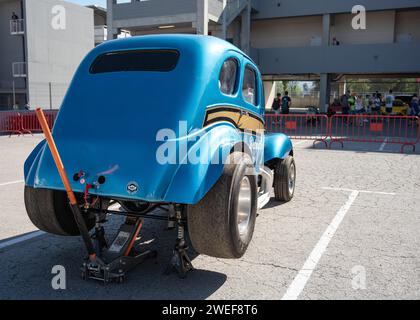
(351, 232)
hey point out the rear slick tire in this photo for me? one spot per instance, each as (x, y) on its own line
(49, 210)
(222, 224)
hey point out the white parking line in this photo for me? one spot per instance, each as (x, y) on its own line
(360, 191)
(383, 145)
(299, 283)
(21, 239)
(11, 182)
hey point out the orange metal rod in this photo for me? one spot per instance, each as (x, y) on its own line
(72, 198)
(57, 159)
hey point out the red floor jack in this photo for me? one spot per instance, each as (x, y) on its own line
(104, 263)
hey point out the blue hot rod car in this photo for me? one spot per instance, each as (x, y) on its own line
(165, 120)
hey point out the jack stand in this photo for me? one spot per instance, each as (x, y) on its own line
(99, 235)
(113, 263)
(119, 258)
(180, 261)
(171, 214)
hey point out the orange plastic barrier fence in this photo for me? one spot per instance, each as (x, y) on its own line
(401, 130)
(13, 122)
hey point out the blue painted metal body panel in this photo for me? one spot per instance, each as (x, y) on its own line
(276, 145)
(108, 123)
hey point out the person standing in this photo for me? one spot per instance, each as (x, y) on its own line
(276, 106)
(414, 104)
(389, 102)
(286, 103)
(377, 103)
(359, 108)
(369, 103)
(360, 104)
(352, 103)
(344, 101)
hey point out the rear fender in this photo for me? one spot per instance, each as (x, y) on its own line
(193, 180)
(31, 163)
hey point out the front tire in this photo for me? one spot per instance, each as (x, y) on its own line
(222, 224)
(285, 179)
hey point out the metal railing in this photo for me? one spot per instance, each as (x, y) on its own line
(399, 130)
(23, 122)
(17, 27)
(19, 69)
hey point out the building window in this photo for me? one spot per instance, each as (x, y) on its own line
(136, 60)
(228, 76)
(249, 88)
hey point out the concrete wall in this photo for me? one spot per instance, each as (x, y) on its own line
(286, 32)
(99, 19)
(302, 31)
(269, 93)
(289, 8)
(407, 26)
(375, 58)
(379, 28)
(291, 36)
(152, 8)
(54, 55)
(216, 9)
(11, 46)
(233, 33)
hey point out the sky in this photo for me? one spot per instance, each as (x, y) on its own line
(101, 3)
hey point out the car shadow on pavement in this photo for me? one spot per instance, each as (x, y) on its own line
(27, 272)
(273, 203)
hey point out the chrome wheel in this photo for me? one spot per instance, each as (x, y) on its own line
(243, 216)
(292, 178)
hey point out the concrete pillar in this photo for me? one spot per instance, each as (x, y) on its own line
(326, 29)
(202, 22)
(223, 33)
(246, 28)
(112, 33)
(324, 91)
(342, 87)
(270, 93)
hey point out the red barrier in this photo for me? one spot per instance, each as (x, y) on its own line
(299, 126)
(401, 130)
(13, 122)
(10, 122)
(31, 124)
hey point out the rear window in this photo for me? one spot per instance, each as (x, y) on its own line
(136, 60)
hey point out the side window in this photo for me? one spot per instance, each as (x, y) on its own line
(227, 77)
(249, 88)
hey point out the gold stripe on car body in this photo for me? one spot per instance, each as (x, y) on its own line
(243, 120)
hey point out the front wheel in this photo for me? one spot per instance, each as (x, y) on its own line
(285, 179)
(222, 224)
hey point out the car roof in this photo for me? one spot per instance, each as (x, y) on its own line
(176, 41)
